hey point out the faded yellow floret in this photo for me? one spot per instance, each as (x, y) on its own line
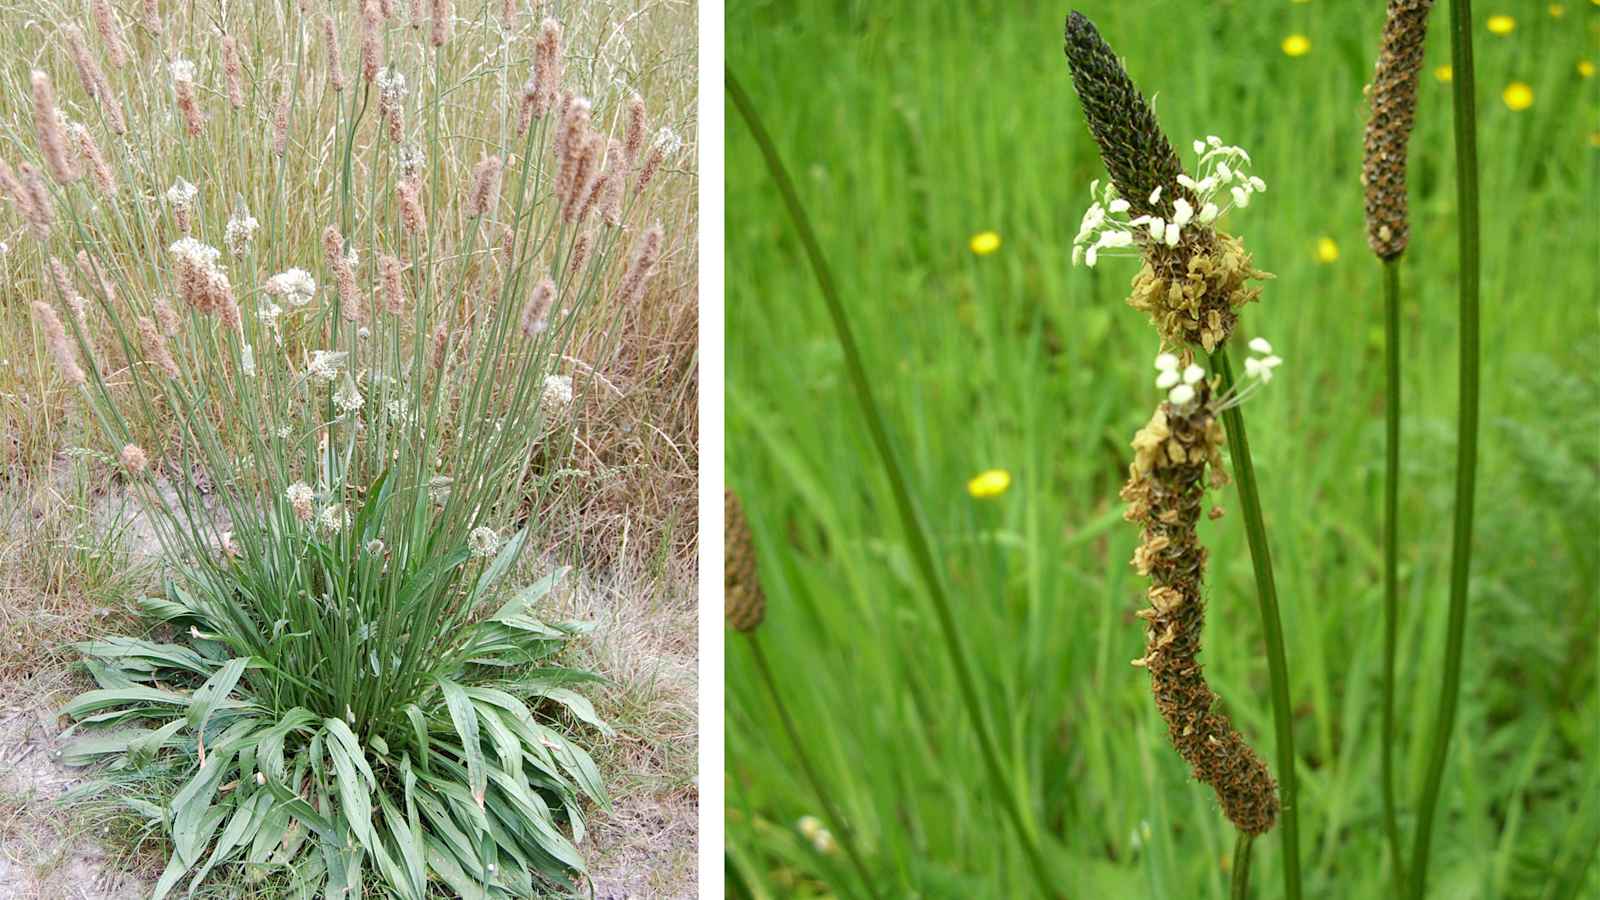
(1502, 24)
(991, 483)
(1517, 96)
(1557, 10)
(1296, 45)
(1327, 250)
(985, 242)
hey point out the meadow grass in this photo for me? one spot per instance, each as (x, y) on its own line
(920, 125)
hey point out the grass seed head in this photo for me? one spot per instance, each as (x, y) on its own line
(536, 315)
(188, 101)
(485, 194)
(134, 459)
(99, 168)
(744, 603)
(1165, 493)
(40, 210)
(47, 125)
(155, 347)
(635, 133)
(330, 39)
(1394, 106)
(60, 346)
(233, 71)
(441, 16)
(105, 22)
(641, 266)
(371, 41)
(152, 16)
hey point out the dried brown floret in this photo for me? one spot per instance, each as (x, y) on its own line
(1165, 495)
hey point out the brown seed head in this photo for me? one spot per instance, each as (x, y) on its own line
(88, 70)
(330, 38)
(634, 142)
(1165, 493)
(47, 124)
(105, 21)
(394, 292)
(442, 13)
(40, 211)
(155, 348)
(152, 16)
(1394, 106)
(55, 338)
(98, 167)
(166, 316)
(580, 253)
(134, 459)
(371, 40)
(233, 71)
(743, 601)
(485, 194)
(641, 266)
(536, 315)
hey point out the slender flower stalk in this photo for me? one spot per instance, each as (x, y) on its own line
(1394, 100)
(745, 606)
(916, 532)
(1150, 188)
(1466, 143)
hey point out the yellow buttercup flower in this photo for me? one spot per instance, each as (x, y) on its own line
(984, 243)
(1327, 250)
(1517, 96)
(1443, 73)
(1502, 24)
(1585, 68)
(988, 484)
(1594, 138)
(1296, 45)
(1557, 10)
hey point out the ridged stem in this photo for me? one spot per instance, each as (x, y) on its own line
(1244, 476)
(1466, 141)
(1240, 889)
(1391, 580)
(910, 517)
(845, 836)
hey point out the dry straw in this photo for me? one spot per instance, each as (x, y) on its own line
(1165, 494)
(1394, 106)
(744, 603)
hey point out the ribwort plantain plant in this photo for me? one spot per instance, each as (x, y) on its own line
(1193, 281)
(1393, 97)
(335, 416)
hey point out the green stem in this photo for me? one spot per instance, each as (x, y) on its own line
(1241, 867)
(1466, 430)
(910, 516)
(1391, 579)
(837, 821)
(1244, 474)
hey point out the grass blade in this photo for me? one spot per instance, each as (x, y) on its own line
(910, 516)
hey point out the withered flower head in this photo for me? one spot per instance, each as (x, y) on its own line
(1166, 495)
(744, 603)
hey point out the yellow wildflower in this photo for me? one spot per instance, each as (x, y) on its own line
(1517, 96)
(1443, 73)
(984, 243)
(1502, 24)
(1296, 45)
(1594, 138)
(1557, 10)
(992, 483)
(1585, 68)
(1327, 250)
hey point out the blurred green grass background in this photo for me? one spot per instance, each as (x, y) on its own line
(910, 127)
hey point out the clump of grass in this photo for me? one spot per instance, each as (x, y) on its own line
(337, 447)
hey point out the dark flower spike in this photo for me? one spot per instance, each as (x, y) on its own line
(1136, 152)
